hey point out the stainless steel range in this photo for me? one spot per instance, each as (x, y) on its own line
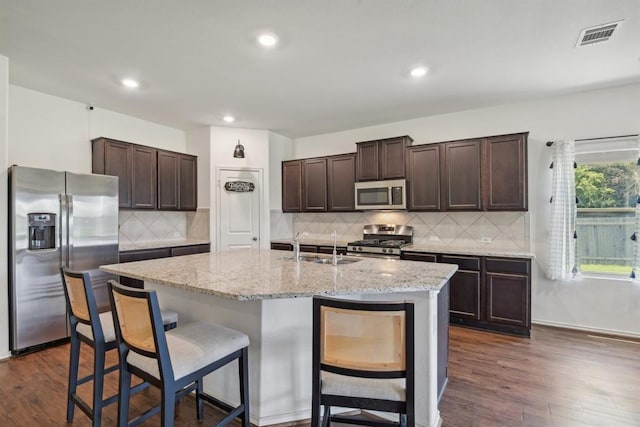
(382, 240)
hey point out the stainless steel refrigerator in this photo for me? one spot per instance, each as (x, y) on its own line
(56, 219)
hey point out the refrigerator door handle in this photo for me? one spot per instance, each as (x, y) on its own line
(69, 228)
(64, 231)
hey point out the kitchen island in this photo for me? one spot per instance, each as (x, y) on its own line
(267, 295)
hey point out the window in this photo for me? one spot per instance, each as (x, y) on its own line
(606, 180)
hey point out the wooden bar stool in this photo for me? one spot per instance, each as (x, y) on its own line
(363, 358)
(175, 361)
(97, 331)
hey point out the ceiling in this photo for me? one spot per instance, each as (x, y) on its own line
(340, 64)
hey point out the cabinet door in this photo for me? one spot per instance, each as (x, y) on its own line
(368, 161)
(464, 295)
(462, 175)
(315, 185)
(508, 298)
(117, 162)
(167, 180)
(143, 177)
(423, 177)
(505, 167)
(187, 182)
(341, 178)
(392, 158)
(292, 186)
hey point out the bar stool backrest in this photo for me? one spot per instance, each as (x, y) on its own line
(134, 317)
(81, 301)
(362, 339)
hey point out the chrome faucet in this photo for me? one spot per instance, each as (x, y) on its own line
(296, 247)
(334, 258)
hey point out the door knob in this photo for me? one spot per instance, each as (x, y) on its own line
(255, 239)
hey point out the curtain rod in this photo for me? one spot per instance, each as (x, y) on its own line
(550, 143)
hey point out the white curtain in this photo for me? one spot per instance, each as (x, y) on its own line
(635, 271)
(562, 254)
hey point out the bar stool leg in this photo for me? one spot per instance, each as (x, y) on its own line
(123, 398)
(168, 406)
(74, 360)
(199, 402)
(243, 371)
(98, 382)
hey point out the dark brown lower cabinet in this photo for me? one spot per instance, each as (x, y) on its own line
(489, 293)
(508, 290)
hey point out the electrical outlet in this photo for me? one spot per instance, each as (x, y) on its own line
(485, 240)
(434, 238)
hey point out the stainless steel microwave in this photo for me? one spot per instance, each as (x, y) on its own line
(389, 194)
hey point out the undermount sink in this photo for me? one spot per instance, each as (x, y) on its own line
(328, 261)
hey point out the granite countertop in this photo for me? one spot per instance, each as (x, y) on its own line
(485, 250)
(172, 243)
(254, 274)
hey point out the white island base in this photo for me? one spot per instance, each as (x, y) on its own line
(280, 331)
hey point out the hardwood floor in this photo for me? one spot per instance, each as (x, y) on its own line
(557, 378)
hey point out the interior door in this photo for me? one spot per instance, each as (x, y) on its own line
(239, 208)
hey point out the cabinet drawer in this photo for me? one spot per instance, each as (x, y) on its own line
(340, 250)
(309, 248)
(463, 262)
(418, 256)
(144, 254)
(506, 265)
(282, 246)
(189, 250)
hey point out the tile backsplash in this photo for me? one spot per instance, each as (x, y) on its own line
(504, 230)
(149, 226)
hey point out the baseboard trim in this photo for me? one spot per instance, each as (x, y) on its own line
(601, 331)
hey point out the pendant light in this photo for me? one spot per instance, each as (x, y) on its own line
(238, 152)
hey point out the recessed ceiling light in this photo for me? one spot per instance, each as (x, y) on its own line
(130, 83)
(229, 119)
(268, 39)
(419, 71)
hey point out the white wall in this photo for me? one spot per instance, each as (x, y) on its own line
(51, 132)
(280, 148)
(4, 226)
(606, 305)
(199, 144)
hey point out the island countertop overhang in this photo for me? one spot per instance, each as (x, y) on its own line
(256, 274)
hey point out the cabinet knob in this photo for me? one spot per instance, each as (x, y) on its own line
(255, 239)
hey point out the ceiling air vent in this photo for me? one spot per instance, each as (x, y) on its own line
(597, 34)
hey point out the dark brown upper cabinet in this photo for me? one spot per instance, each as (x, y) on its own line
(340, 181)
(292, 186)
(167, 180)
(112, 157)
(148, 178)
(505, 166)
(462, 175)
(187, 182)
(143, 177)
(177, 177)
(423, 177)
(319, 184)
(135, 167)
(381, 159)
(314, 185)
